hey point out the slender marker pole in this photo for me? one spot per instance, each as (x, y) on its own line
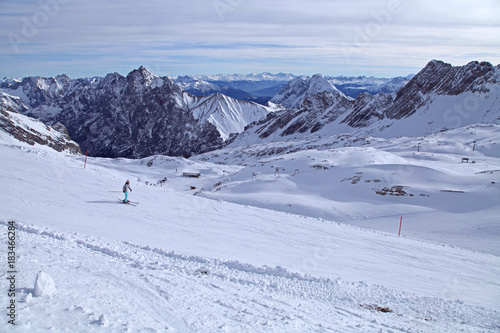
(400, 223)
(86, 153)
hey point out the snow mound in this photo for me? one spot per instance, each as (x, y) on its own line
(102, 321)
(44, 285)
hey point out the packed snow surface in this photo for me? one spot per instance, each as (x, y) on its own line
(274, 260)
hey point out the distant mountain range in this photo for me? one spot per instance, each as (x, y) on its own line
(143, 114)
(262, 87)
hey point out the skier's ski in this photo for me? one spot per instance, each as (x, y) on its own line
(133, 203)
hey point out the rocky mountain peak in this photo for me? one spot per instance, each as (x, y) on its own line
(145, 78)
(297, 90)
(227, 114)
(439, 78)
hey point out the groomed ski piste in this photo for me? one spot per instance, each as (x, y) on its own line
(276, 259)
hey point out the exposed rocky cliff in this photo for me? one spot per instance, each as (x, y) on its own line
(137, 115)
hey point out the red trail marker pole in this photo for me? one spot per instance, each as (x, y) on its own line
(86, 153)
(400, 223)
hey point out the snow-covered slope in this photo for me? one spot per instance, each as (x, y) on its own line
(12, 103)
(178, 262)
(270, 237)
(371, 182)
(227, 114)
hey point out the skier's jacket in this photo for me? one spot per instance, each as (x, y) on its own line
(126, 188)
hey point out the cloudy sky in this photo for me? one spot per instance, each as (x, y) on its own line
(382, 38)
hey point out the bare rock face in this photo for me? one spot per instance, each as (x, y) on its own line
(137, 116)
(367, 109)
(134, 116)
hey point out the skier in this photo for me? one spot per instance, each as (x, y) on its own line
(126, 188)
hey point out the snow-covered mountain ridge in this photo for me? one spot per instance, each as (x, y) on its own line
(295, 92)
(227, 114)
(143, 114)
(15, 127)
(138, 115)
(354, 86)
(439, 97)
(257, 77)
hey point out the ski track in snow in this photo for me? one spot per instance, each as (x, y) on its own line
(144, 289)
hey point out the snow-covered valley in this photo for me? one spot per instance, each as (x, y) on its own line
(270, 238)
